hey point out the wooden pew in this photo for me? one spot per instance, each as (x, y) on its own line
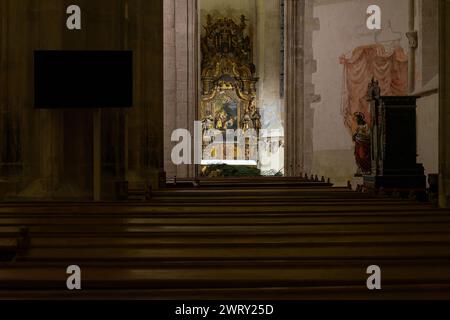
(330, 281)
(254, 182)
(259, 207)
(13, 240)
(149, 241)
(8, 248)
(238, 220)
(273, 242)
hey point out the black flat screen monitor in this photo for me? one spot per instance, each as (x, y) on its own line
(83, 79)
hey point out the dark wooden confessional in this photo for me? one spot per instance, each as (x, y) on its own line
(394, 147)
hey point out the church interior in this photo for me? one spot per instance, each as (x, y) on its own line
(273, 149)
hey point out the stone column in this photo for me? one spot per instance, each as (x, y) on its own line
(295, 87)
(412, 37)
(4, 35)
(299, 90)
(444, 103)
(180, 76)
(41, 129)
(4, 38)
(311, 24)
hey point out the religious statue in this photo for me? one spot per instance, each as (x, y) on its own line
(247, 122)
(252, 105)
(220, 120)
(361, 137)
(256, 120)
(373, 90)
(229, 124)
(254, 112)
(208, 123)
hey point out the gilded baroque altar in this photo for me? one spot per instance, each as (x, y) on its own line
(228, 100)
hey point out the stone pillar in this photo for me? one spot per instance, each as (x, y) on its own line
(152, 97)
(311, 24)
(4, 39)
(444, 103)
(267, 45)
(180, 76)
(299, 90)
(412, 37)
(294, 88)
(42, 133)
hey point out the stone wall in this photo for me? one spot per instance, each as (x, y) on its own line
(427, 84)
(342, 29)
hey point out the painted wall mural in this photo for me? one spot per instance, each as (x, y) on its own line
(386, 64)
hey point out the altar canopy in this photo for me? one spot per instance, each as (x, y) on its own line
(387, 64)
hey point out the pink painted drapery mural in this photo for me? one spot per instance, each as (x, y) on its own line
(388, 65)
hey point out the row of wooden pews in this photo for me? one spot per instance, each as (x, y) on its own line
(269, 241)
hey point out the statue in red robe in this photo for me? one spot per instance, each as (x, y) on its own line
(361, 137)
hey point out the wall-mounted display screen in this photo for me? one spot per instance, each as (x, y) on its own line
(83, 79)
